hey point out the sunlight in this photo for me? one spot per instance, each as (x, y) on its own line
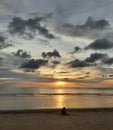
(60, 83)
(60, 98)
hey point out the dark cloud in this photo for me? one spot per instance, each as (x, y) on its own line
(63, 72)
(90, 26)
(108, 61)
(22, 54)
(100, 44)
(34, 64)
(4, 43)
(77, 63)
(76, 49)
(55, 62)
(95, 57)
(28, 28)
(54, 54)
(110, 75)
(95, 24)
(92, 60)
(1, 59)
(17, 25)
(84, 77)
(45, 32)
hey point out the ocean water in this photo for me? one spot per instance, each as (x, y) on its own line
(15, 98)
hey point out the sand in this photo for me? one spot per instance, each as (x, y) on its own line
(79, 119)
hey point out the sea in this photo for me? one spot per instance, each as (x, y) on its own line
(26, 98)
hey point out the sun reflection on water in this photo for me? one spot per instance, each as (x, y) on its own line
(60, 99)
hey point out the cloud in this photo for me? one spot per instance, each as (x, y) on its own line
(1, 60)
(55, 62)
(63, 72)
(84, 77)
(91, 28)
(17, 25)
(108, 61)
(87, 73)
(10, 61)
(100, 44)
(4, 43)
(110, 75)
(78, 63)
(34, 64)
(95, 24)
(95, 57)
(103, 58)
(22, 54)
(9, 74)
(91, 61)
(52, 64)
(76, 50)
(28, 28)
(54, 54)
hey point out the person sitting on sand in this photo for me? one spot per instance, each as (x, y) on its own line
(63, 111)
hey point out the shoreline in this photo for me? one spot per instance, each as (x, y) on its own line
(56, 110)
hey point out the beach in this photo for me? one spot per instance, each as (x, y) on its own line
(79, 119)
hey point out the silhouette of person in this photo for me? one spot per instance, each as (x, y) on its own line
(63, 111)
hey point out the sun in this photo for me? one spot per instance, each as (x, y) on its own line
(60, 83)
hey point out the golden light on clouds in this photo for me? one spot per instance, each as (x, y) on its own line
(6, 79)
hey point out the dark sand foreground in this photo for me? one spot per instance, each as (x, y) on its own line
(79, 119)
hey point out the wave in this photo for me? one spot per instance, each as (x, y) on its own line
(56, 94)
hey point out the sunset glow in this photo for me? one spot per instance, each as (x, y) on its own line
(60, 83)
(39, 48)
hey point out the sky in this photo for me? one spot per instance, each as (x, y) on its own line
(52, 43)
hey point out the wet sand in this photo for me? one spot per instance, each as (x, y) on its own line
(79, 119)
